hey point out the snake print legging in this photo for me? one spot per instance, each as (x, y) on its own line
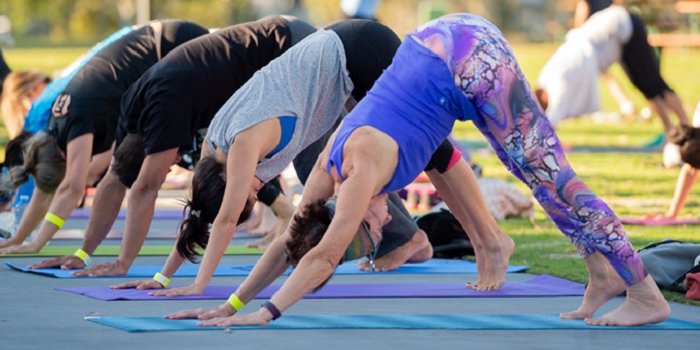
(486, 71)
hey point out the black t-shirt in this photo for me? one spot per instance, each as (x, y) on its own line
(174, 102)
(597, 5)
(90, 102)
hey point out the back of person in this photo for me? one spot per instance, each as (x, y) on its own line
(180, 95)
(606, 31)
(90, 101)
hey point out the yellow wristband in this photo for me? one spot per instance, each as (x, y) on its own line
(54, 219)
(235, 302)
(84, 256)
(160, 278)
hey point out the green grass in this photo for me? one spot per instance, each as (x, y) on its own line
(632, 184)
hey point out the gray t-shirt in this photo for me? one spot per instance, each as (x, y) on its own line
(309, 81)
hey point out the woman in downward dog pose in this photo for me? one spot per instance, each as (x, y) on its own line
(285, 114)
(458, 67)
(77, 146)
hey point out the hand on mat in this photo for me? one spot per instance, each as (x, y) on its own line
(110, 269)
(19, 248)
(251, 319)
(142, 284)
(67, 262)
(174, 292)
(204, 313)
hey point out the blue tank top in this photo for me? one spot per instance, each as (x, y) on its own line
(416, 103)
(38, 116)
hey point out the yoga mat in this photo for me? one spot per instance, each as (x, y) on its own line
(114, 234)
(434, 266)
(113, 250)
(659, 222)
(442, 322)
(160, 214)
(538, 286)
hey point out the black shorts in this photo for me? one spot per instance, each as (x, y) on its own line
(640, 62)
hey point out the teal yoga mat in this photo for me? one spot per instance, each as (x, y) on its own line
(443, 322)
(434, 266)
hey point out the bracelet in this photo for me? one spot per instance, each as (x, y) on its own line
(54, 219)
(160, 278)
(84, 256)
(276, 313)
(235, 302)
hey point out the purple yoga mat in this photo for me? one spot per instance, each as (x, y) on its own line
(160, 214)
(539, 286)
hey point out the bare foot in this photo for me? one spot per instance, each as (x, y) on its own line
(492, 263)
(418, 249)
(603, 284)
(644, 305)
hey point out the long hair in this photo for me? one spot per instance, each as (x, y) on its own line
(43, 160)
(688, 140)
(17, 92)
(208, 185)
(128, 159)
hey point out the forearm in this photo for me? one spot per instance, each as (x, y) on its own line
(308, 275)
(62, 206)
(138, 220)
(175, 260)
(219, 239)
(685, 182)
(108, 201)
(269, 267)
(37, 208)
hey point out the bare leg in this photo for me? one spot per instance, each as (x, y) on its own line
(418, 249)
(603, 285)
(658, 105)
(644, 305)
(676, 105)
(459, 188)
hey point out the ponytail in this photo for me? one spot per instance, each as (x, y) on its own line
(206, 196)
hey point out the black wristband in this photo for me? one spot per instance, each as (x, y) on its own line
(273, 310)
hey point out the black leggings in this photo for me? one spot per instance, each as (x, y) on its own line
(369, 48)
(640, 62)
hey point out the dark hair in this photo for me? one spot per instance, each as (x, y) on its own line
(208, 185)
(306, 230)
(688, 140)
(128, 159)
(43, 160)
(13, 150)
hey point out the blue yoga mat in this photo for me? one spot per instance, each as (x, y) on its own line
(434, 266)
(443, 322)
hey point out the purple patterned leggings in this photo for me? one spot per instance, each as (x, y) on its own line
(486, 71)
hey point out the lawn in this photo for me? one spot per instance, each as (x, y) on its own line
(633, 184)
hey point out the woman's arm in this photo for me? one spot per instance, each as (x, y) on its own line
(247, 149)
(108, 200)
(142, 200)
(38, 206)
(685, 182)
(69, 191)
